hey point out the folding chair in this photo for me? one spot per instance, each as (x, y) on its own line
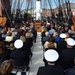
(20, 67)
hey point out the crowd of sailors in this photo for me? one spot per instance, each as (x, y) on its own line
(16, 46)
(58, 41)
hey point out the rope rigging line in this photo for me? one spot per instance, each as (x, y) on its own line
(55, 3)
(50, 6)
(63, 6)
(21, 4)
(68, 7)
(28, 5)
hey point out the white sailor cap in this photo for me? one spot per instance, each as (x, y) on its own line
(70, 42)
(18, 43)
(51, 55)
(62, 35)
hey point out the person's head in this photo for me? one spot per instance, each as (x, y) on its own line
(4, 32)
(46, 33)
(55, 34)
(18, 44)
(51, 45)
(9, 33)
(17, 26)
(70, 43)
(2, 45)
(66, 27)
(9, 29)
(67, 36)
(51, 39)
(62, 36)
(27, 35)
(6, 67)
(45, 29)
(23, 38)
(51, 56)
(11, 45)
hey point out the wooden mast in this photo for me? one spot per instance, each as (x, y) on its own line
(6, 7)
(5, 11)
(0, 8)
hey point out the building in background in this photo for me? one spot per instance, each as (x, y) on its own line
(29, 6)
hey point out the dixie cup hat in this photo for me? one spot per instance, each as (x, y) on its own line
(70, 42)
(62, 35)
(51, 55)
(18, 44)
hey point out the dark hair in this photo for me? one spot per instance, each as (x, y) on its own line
(51, 39)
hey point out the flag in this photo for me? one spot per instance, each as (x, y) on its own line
(27, 0)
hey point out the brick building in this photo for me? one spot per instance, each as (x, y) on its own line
(47, 12)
